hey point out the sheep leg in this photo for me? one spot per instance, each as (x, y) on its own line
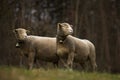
(70, 59)
(21, 59)
(55, 64)
(93, 63)
(30, 60)
(63, 62)
(82, 65)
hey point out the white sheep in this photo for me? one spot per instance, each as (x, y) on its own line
(65, 45)
(82, 50)
(36, 47)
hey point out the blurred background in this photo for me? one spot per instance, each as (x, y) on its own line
(95, 20)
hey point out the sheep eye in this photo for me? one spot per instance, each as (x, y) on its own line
(67, 27)
(15, 30)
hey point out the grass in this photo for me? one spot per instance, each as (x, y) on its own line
(13, 73)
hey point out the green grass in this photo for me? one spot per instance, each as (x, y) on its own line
(13, 73)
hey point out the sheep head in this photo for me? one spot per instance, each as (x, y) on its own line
(64, 29)
(20, 33)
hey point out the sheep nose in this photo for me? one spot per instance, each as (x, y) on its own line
(71, 31)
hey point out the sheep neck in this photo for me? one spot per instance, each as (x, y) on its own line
(22, 40)
(61, 39)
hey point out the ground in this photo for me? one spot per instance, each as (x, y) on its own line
(14, 73)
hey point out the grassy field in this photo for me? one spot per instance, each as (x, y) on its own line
(13, 73)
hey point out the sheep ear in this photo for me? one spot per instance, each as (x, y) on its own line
(14, 30)
(59, 25)
(71, 26)
(27, 31)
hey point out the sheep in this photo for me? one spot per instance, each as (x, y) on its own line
(36, 47)
(65, 45)
(83, 50)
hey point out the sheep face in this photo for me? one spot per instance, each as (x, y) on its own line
(20, 33)
(64, 29)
